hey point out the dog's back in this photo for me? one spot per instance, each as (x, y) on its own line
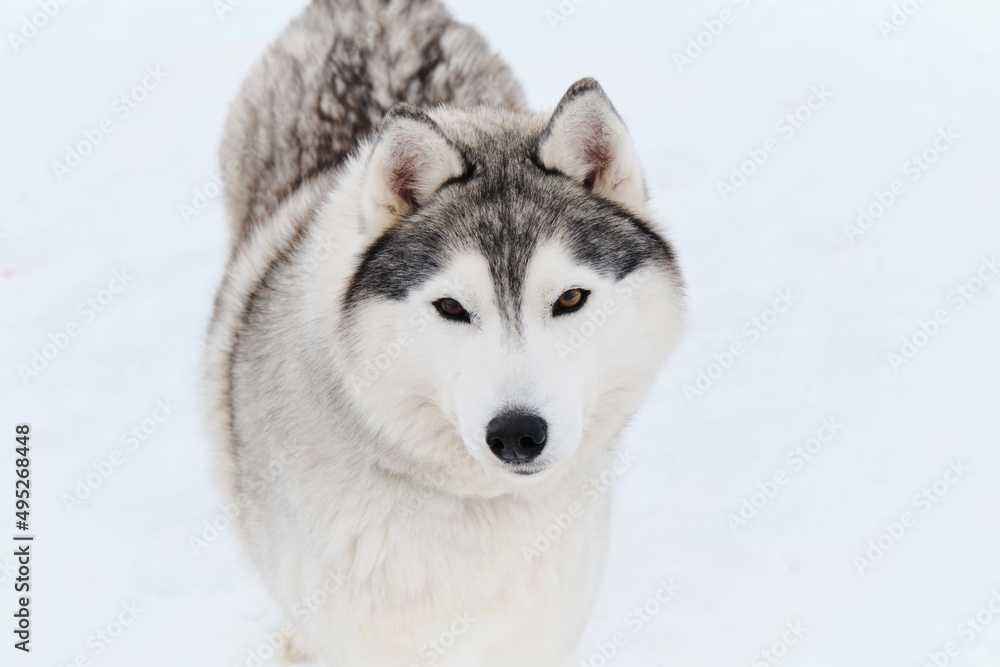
(328, 81)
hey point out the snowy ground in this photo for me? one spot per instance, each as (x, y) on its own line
(799, 557)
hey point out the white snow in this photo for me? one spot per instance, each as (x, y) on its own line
(825, 358)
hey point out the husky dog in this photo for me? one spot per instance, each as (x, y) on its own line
(439, 313)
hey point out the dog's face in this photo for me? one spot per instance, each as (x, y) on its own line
(513, 304)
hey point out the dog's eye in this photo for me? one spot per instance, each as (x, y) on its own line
(451, 310)
(570, 301)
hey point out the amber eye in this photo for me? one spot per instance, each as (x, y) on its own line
(570, 301)
(450, 309)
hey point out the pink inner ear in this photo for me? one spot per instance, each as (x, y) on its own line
(403, 178)
(596, 153)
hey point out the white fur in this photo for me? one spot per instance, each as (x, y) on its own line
(410, 162)
(468, 546)
(587, 127)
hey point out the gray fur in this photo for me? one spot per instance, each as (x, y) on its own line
(328, 81)
(320, 470)
(505, 205)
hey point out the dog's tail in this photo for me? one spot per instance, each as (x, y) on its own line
(327, 82)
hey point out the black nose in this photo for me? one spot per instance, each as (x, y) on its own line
(516, 437)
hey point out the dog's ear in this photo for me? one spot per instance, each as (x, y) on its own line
(411, 160)
(587, 141)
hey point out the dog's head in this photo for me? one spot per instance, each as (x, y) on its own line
(509, 302)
